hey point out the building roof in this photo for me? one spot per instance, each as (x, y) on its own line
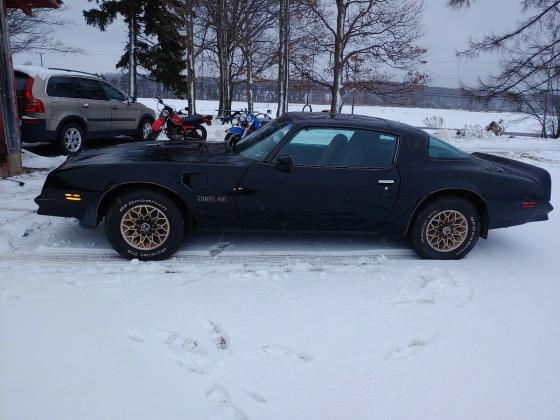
(28, 5)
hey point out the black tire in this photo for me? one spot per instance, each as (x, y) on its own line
(141, 134)
(447, 228)
(201, 132)
(71, 139)
(127, 208)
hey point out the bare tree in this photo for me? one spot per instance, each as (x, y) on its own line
(529, 63)
(381, 35)
(282, 57)
(34, 33)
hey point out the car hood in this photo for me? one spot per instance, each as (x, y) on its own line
(161, 152)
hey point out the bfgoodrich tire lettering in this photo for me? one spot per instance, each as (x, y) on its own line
(455, 220)
(151, 216)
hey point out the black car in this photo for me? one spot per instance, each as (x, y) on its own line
(303, 171)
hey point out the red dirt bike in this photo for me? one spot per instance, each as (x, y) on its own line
(178, 126)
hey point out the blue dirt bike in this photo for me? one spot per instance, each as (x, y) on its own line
(244, 123)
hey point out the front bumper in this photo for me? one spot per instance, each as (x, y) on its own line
(80, 205)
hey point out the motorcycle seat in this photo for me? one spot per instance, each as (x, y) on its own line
(194, 119)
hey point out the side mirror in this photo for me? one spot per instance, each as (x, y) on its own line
(285, 163)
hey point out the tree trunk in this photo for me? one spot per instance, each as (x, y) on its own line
(191, 76)
(249, 83)
(132, 66)
(223, 60)
(283, 67)
(338, 64)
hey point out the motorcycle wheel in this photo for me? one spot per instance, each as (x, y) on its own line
(152, 136)
(198, 133)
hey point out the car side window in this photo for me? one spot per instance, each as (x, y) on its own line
(438, 149)
(90, 89)
(111, 93)
(340, 147)
(62, 87)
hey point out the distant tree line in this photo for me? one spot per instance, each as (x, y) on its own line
(302, 92)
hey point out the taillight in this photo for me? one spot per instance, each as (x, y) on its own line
(31, 104)
(528, 204)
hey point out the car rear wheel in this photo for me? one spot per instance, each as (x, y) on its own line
(71, 139)
(144, 129)
(446, 229)
(145, 224)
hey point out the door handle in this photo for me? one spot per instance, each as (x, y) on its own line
(86, 105)
(386, 181)
(115, 107)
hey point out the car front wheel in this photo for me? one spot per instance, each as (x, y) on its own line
(145, 224)
(446, 229)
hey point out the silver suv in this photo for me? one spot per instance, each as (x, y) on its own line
(67, 107)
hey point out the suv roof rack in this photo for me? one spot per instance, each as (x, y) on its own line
(75, 71)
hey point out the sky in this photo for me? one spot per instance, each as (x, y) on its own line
(446, 31)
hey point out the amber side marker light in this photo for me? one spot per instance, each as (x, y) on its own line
(72, 197)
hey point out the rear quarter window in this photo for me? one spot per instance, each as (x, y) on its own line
(438, 149)
(62, 87)
(21, 80)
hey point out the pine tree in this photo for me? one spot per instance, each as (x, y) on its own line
(155, 44)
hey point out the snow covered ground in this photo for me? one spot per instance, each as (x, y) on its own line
(452, 118)
(290, 326)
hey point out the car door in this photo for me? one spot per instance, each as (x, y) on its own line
(341, 179)
(97, 106)
(124, 114)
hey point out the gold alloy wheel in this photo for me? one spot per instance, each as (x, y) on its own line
(145, 227)
(447, 231)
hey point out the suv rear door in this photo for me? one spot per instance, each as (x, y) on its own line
(94, 101)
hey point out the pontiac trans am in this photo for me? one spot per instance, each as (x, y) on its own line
(303, 171)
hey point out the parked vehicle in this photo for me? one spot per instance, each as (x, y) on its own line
(302, 171)
(69, 107)
(244, 123)
(178, 126)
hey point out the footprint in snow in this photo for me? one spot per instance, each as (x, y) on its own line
(281, 354)
(407, 350)
(220, 401)
(219, 248)
(217, 335)
(187, 352)
(433, 287)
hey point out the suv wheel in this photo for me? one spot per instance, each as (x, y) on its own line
(446, 229)
(145, 224)
(144, 129)
(71, 139)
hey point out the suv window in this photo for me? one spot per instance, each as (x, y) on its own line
(90, 89)
(112, 93)
(339, 147)
(62, 87)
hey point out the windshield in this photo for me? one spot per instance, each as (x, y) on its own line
(260, 143)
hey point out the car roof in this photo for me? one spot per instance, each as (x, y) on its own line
(353, 120)
(45, 72)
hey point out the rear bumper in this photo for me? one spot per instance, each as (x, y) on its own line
(34, 130)
(520, 216)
